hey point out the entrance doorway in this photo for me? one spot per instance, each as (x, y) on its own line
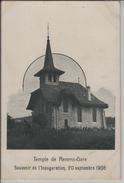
(66, 123)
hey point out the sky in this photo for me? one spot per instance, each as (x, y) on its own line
(86, 31)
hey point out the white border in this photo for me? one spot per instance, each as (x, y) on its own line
(122, 125)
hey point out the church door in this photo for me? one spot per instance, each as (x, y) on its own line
(66, 123)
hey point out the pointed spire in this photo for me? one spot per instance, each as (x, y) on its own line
(48, 62)
(48, 31)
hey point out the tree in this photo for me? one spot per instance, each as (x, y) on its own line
(10, 122)
(41, 120)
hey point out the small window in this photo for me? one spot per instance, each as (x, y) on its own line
(65, 106)
(94, 114)
(79, 114)
(49, 77)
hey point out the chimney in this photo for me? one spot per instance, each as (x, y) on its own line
(88, 93)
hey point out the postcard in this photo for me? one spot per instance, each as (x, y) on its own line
(60, 90)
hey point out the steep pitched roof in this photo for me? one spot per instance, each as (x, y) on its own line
(53, 93)
(48, 62)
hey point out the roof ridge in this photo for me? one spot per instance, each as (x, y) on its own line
(70, 82)
(52, 93)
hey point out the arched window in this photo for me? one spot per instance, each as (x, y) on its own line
(94, 115)
(65, 106)
(79, 114)
(54, 78)
(50, 77)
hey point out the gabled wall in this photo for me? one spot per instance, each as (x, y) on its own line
(59, 117)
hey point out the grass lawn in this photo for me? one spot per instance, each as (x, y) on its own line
(20, 137)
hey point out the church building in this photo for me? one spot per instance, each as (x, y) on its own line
(64, 104)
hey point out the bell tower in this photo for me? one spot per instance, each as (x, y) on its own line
(49, 74)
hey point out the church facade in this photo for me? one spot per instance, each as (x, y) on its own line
(64, 104)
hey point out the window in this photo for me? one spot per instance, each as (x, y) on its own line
(54, 78)
(94, 114)
(79, 114)
(49, 77)
(65, 106)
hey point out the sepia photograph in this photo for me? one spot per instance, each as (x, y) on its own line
(60, 82)
(56, 108)
(64, 114)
